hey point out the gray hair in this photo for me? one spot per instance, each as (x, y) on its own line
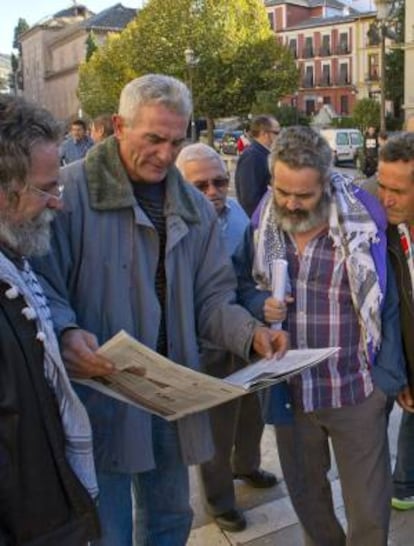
(300, 147)
(22, 126)
(197, 152)
(154, 89)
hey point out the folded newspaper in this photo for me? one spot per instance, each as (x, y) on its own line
(174, 391)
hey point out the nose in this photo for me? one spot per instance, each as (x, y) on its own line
(292, 203)
(211, 190)
(387, 198)
(54, 203)
(166, 153)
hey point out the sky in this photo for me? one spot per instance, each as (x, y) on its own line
(34, 11)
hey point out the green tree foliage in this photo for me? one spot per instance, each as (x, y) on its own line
(19, 29)
(235, 50)
(267, 102)
(366, 114)
(91, 45)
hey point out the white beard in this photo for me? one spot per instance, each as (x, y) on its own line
(30, 238)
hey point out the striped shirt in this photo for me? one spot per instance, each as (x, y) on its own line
(323, 315)
(150, 198)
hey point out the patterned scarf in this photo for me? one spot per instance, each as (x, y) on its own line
(75, 421)
(352, 231)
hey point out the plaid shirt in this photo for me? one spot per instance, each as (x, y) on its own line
(323, 315)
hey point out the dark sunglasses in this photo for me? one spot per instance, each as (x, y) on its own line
(218, 183)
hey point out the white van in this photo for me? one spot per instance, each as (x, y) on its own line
(344, 143)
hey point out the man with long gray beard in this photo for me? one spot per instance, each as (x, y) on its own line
(332, 236)
(47, 476)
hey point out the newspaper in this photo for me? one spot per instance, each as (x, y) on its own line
(173, 391)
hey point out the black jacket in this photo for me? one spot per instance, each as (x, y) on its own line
(405, 292)
(252, 176)
(42, 502)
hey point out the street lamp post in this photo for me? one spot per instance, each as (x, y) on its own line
(191, 62)
(383, 11)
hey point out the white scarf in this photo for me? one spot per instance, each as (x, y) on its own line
(352, 231)
(75, 421)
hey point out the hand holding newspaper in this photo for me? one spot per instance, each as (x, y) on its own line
(174, 391)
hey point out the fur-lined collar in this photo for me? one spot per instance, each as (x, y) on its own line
(110, 188)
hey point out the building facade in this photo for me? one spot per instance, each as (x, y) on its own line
(336, 49)
(409, 59)
(53, 49)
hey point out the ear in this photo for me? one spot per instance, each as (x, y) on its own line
(119, 126)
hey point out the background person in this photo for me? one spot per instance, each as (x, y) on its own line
(47, 475)
(252, 175)
(76, 145)
(164, 277)
(101, 127)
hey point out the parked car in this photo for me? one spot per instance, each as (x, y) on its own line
(229, 142)
(218, 136)
(344, 143)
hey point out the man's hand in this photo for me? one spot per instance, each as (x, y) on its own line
(276, 310)
(79, 355)
(267, 342)
(406, 400)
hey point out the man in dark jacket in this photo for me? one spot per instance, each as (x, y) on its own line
(47, 477)
(396, 192)
(252, 175)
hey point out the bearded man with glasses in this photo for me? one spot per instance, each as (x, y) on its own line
(47, 474)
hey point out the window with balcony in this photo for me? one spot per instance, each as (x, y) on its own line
(308, 79)
(325, 46)
(308, 49)
(343, 74)
(343, 46)
(373, 67)
(309, 107)
(326, 75)
(344, 105)
(293, 47)
(373, 35)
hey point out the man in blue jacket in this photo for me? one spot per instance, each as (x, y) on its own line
(396, 192)
(136, 248)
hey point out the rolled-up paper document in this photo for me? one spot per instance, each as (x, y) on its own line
(279, 276)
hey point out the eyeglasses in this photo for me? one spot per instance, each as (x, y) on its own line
(218, 183)
(46, 195)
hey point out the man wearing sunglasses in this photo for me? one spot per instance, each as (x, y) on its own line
(252, 172)
(238, 425)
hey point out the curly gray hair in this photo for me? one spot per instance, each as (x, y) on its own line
(22, 126)
(300, 147)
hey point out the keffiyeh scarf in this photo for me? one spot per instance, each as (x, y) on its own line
(352, 231)
(75, 421)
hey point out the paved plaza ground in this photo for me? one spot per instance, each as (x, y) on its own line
(270, 516)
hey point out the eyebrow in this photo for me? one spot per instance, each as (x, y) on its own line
(160, 138)
(288, 193)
